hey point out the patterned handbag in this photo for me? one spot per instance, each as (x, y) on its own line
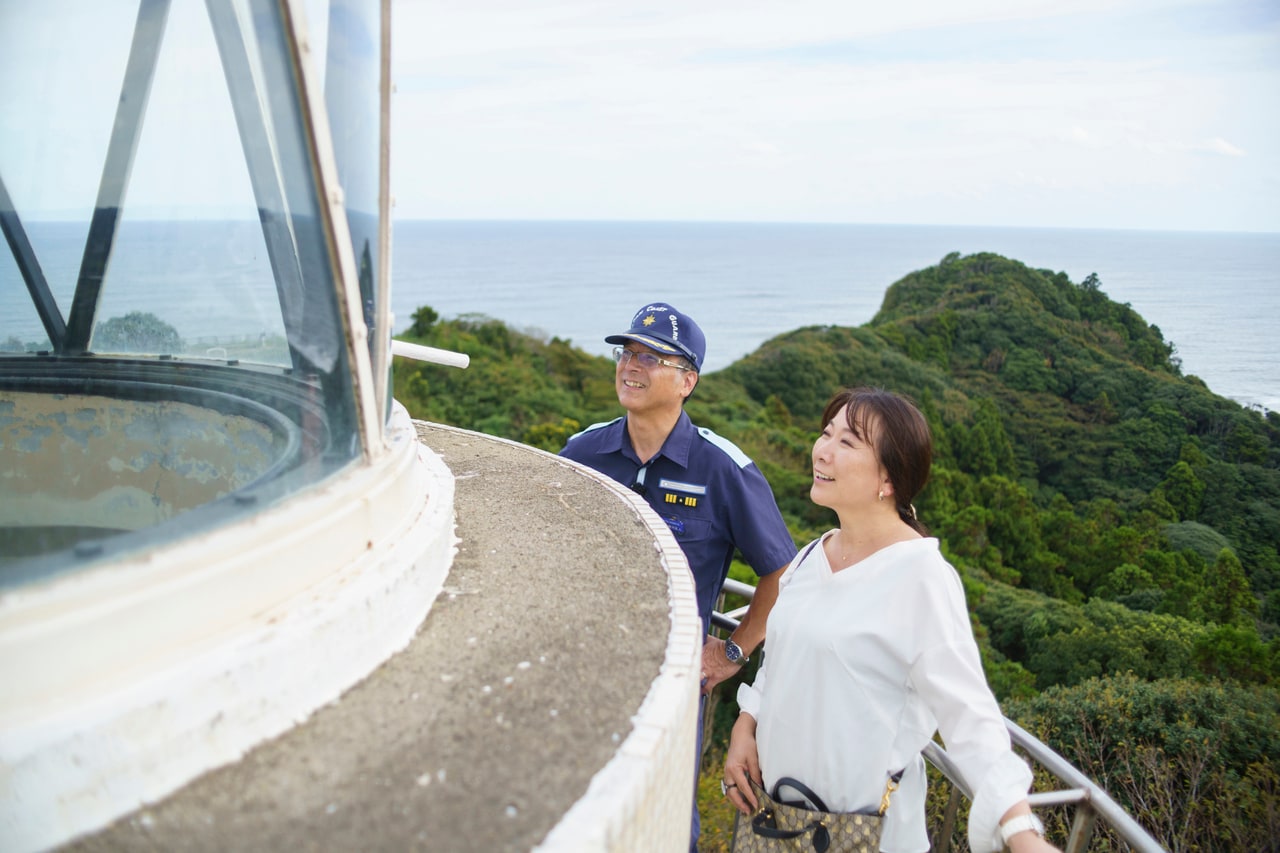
(801, 826)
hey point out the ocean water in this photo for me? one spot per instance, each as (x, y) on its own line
(1215, 296)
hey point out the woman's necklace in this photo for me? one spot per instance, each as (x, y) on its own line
(853, 552)
(846, 557)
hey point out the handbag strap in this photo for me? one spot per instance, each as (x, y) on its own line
(802, 789)
(795, 564)
(890, 785)
(764, 825)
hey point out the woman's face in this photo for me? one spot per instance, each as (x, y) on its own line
(846, 467)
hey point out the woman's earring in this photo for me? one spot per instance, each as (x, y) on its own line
(882, 494)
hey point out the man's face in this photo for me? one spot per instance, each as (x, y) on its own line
(657, 385)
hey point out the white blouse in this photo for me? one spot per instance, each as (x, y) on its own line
(862, 666)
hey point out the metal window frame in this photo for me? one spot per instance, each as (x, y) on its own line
(333, 219)
(367, 362)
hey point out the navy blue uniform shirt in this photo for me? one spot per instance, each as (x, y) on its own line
(711, 495)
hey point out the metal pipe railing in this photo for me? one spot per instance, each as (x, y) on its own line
(431, 355)
(1090, 801)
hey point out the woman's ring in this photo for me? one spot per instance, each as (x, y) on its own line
(724, 787)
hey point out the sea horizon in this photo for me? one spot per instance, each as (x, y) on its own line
(1214, 295)
(786, 222)
(1211, 293)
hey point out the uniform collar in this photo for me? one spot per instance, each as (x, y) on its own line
(675, 448)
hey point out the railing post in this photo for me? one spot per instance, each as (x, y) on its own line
(942, 844)
(1081, 828)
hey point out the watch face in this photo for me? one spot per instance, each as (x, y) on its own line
(731, 651)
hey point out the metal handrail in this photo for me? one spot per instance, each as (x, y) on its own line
(1090, 800)
(431, 355)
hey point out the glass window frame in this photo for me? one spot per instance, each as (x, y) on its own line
(363, 362)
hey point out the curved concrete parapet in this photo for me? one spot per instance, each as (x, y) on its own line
(124, 681)
(641, 800)
(548, 701)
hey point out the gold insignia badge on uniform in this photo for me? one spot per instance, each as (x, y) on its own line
(650, 320)
(690, 492)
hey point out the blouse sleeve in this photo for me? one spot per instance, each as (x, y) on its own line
(749, 695)
(949, 679)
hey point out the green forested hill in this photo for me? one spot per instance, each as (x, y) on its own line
(1116, 522)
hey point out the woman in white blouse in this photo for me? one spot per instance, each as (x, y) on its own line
(870, 651)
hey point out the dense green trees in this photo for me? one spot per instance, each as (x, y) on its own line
(1116, 523)
(1196, 762)
(137, 331)
(517, 387)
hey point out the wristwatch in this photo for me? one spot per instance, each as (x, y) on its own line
(1021, 823)
(733, 652)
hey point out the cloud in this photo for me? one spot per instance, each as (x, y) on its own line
(818, 110)
(1218, 145)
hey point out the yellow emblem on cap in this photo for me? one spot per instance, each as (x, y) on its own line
(650, 320)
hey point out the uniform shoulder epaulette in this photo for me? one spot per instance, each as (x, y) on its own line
(729, 449)
(595, 427)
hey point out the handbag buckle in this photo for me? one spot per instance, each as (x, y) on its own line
(889, 788)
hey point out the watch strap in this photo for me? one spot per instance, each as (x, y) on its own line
(1021, 823)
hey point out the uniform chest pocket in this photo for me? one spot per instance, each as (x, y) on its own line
(687, 528)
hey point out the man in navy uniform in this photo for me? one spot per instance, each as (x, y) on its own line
(711, 495)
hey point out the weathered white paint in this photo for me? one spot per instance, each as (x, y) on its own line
(123, 682)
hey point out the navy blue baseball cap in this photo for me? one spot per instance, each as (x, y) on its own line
(661, 327)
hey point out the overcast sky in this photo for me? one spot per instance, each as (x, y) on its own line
(1149, 114)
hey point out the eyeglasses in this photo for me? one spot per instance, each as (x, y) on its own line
(647, 359)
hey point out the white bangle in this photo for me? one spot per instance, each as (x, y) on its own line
(1021, 823)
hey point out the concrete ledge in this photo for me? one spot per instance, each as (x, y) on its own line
(641, 799)
(549, 698)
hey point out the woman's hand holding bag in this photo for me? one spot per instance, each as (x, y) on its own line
(742, 766)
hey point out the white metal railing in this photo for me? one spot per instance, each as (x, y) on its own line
(1089, 801)
(431, 355)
